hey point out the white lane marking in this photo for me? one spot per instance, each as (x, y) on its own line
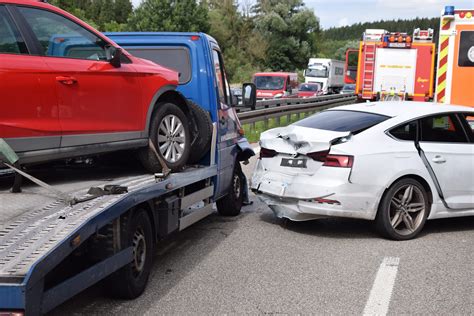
(379, 298)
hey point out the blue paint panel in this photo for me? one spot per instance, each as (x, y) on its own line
(12, 296)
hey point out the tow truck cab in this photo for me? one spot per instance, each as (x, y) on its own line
(202, 80)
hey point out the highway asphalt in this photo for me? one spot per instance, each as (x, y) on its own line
(251, 264)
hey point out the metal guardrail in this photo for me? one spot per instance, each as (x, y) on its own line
(278, 107)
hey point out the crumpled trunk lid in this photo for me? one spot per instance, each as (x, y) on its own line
(295, 139)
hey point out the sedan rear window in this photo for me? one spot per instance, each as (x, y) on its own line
(342, 121)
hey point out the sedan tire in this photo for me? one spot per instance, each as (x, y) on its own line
(403, 210)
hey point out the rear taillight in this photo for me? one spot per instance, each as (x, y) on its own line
(341, 161)
(267, 153)
(319, 155)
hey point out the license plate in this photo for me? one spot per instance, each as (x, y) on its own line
(295, 163)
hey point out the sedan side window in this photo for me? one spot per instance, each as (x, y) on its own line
(442, 128)
(11, 41)
(61, 37)
(405, 132)
(469, 118)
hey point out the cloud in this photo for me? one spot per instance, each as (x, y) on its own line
(343, 22)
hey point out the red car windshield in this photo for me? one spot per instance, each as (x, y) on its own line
(269, 83)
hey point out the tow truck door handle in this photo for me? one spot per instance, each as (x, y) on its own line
(439, 159)
(67, 80)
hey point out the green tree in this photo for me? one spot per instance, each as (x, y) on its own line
(289, 26)
(242, 47)
(170, 15)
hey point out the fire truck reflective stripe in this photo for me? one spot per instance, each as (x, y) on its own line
(446, 24)
(441, 95)
(444, 45)
(442, 78)
(443, 60)
(442, 68)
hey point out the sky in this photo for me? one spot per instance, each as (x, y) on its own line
(345, 12)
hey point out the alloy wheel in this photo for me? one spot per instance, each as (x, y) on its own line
(171, 138)
(407, 209)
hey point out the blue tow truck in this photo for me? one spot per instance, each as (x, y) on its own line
(50, 250)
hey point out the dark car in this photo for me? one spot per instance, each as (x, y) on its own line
(348, 88)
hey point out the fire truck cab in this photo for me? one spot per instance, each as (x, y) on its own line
(455, 71)
(394, 64)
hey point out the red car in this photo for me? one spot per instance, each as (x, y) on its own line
(275, 85)
(68, 91)
(309, 90)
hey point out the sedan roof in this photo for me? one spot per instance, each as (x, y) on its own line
(404, 109)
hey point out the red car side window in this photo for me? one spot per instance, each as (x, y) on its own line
(61, 37)
(11, 41)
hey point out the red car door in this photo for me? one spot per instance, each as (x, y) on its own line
(97, 102)
(28, 107)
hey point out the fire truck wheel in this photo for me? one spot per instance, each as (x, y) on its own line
(201, 143)
(231, 204)
(130, 281)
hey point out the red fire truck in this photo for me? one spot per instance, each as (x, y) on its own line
(394, 65)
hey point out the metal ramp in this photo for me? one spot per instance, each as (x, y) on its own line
(30, 236)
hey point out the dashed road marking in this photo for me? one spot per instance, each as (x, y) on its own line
(381, 293)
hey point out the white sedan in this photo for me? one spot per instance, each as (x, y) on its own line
(398, 163)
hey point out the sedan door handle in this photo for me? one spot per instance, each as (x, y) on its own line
(439, 159)
(67, 80)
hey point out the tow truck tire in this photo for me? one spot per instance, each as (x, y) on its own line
(231, 204)
(402, 214)
(161, 133)
(130, 281)
(203, 129)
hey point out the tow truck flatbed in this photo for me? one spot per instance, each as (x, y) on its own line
(39, 235)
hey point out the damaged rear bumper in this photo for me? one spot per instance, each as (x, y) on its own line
(302, 197)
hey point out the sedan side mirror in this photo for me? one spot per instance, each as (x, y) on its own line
(114, 56)
(249, 95)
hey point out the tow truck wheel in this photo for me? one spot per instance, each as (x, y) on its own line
(130, 281)
(231, 204)
(169, 132)
(403, 210)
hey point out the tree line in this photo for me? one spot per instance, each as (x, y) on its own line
(262, 35)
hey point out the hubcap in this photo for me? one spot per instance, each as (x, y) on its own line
(171, 138)
(407, 209)
(236, 186)
(139, 251)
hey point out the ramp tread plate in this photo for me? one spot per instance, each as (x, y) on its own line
(30, 236)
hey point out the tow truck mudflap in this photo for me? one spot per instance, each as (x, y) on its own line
(246, 151)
